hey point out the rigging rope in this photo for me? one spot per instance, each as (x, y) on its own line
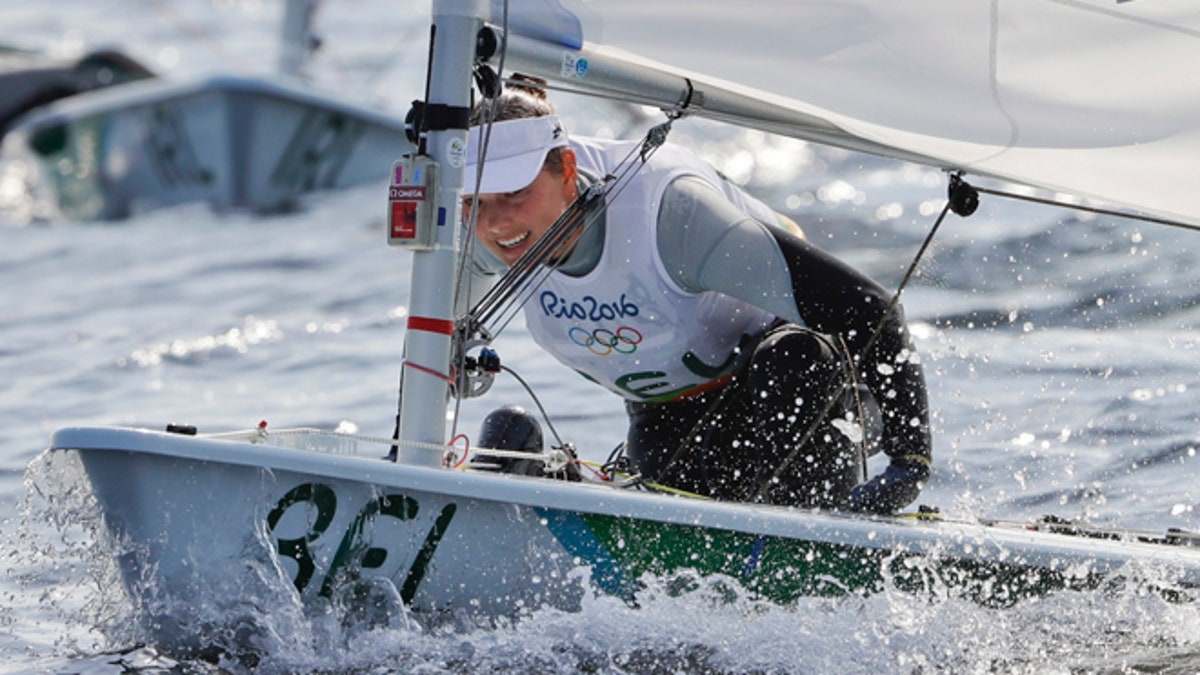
(501, 303)
(497, 308)
(1091, 209)
(461, 279)
(537, 402)
(963, 200)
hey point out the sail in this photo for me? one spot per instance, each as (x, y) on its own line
(1094, 98)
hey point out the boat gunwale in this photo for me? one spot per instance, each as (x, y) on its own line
(941, 538)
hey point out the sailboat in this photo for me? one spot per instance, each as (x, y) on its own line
(231, 141)
(197, 521)
(30, 79)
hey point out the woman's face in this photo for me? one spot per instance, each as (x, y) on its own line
(509, 223)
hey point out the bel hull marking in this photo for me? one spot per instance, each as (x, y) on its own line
(355, 551)
(325, 501)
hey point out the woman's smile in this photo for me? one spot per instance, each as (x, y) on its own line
(514, 241)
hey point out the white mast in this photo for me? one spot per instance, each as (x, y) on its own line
(296, 41)
(423, 397)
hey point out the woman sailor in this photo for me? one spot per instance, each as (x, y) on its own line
(747, 357)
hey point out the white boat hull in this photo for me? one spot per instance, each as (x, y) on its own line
(201, 521)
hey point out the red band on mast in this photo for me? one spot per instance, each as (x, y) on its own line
(441, 326)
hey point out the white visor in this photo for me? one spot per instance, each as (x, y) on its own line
(515, 153)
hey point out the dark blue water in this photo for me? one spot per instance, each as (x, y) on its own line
(1060, 351)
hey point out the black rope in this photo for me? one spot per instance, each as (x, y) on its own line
(536, 402)
(547, 248)
(963, 200)
(1092, 209)
(912, 269)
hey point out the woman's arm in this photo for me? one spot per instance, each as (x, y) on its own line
(707, 244)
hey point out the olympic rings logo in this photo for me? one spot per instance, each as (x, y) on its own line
(603, 341)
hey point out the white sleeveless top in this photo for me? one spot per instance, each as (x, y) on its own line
(626, 324)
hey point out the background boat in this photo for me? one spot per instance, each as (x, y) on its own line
(227, 142)
(1067, 389)
(255, 142)
(31, 79)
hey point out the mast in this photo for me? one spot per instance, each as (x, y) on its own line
(296, 41)
(428, 339)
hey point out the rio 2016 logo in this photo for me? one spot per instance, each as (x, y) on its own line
(603, 341)
(588, 308)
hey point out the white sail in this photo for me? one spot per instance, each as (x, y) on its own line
(1096, 98)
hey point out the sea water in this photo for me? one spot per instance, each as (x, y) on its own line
(1060, 351)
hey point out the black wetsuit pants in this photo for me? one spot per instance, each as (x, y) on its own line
(767, 436)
